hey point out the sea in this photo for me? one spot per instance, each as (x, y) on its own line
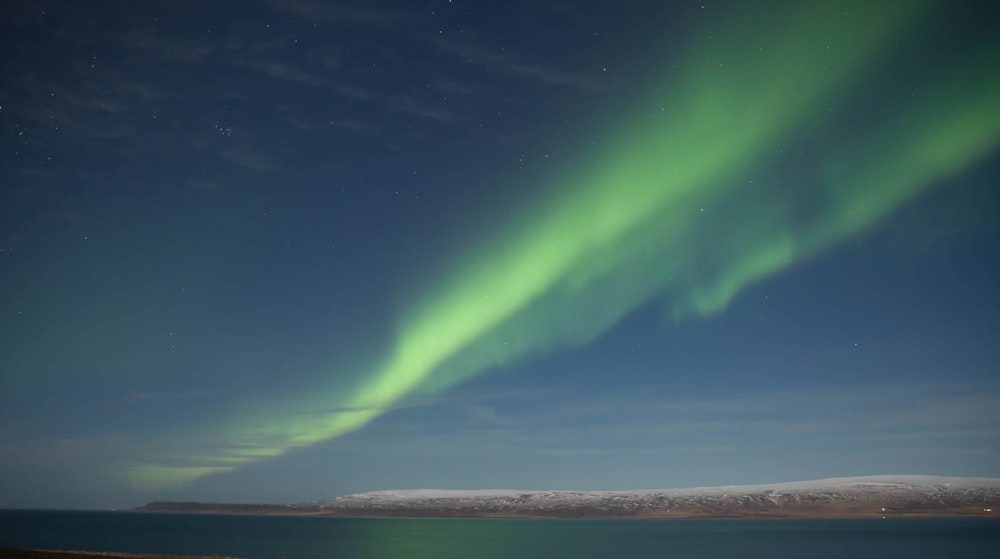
(302, 537)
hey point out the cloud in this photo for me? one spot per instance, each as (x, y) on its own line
(138, 396)
(511, 64)
(658, 421)
(388, 100)
(169, 48)
(337, 13)
(279, 70)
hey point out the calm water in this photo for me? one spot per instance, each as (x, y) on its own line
(307, 537)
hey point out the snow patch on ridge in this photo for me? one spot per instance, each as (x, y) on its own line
(879, 483)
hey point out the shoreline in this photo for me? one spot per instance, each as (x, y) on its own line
(13, 553)
(845, 513)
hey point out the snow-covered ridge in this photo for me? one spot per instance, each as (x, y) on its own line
(870, 496)
(861, 483)
(899, 495)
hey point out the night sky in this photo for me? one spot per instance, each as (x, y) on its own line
(281, 250)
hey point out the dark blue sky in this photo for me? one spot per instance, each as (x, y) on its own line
(283, 250)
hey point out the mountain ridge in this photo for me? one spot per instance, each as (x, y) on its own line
(863, 496)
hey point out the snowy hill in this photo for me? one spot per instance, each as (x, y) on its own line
(872, 496)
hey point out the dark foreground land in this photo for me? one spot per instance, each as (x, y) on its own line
(6, 553)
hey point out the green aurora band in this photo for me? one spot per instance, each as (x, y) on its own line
(680, 207)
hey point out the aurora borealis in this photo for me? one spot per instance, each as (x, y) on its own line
(738, 146)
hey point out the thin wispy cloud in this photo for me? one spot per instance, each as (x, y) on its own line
(169, 48)
(279, 70)
(888, 414)
(326, 12)
(512, 65)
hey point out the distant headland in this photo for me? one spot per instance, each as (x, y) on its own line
(848, 497)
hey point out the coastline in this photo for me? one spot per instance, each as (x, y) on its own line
(845, 514)
(11, 553)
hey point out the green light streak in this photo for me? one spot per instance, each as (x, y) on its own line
(668, 212)
(152, 477)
